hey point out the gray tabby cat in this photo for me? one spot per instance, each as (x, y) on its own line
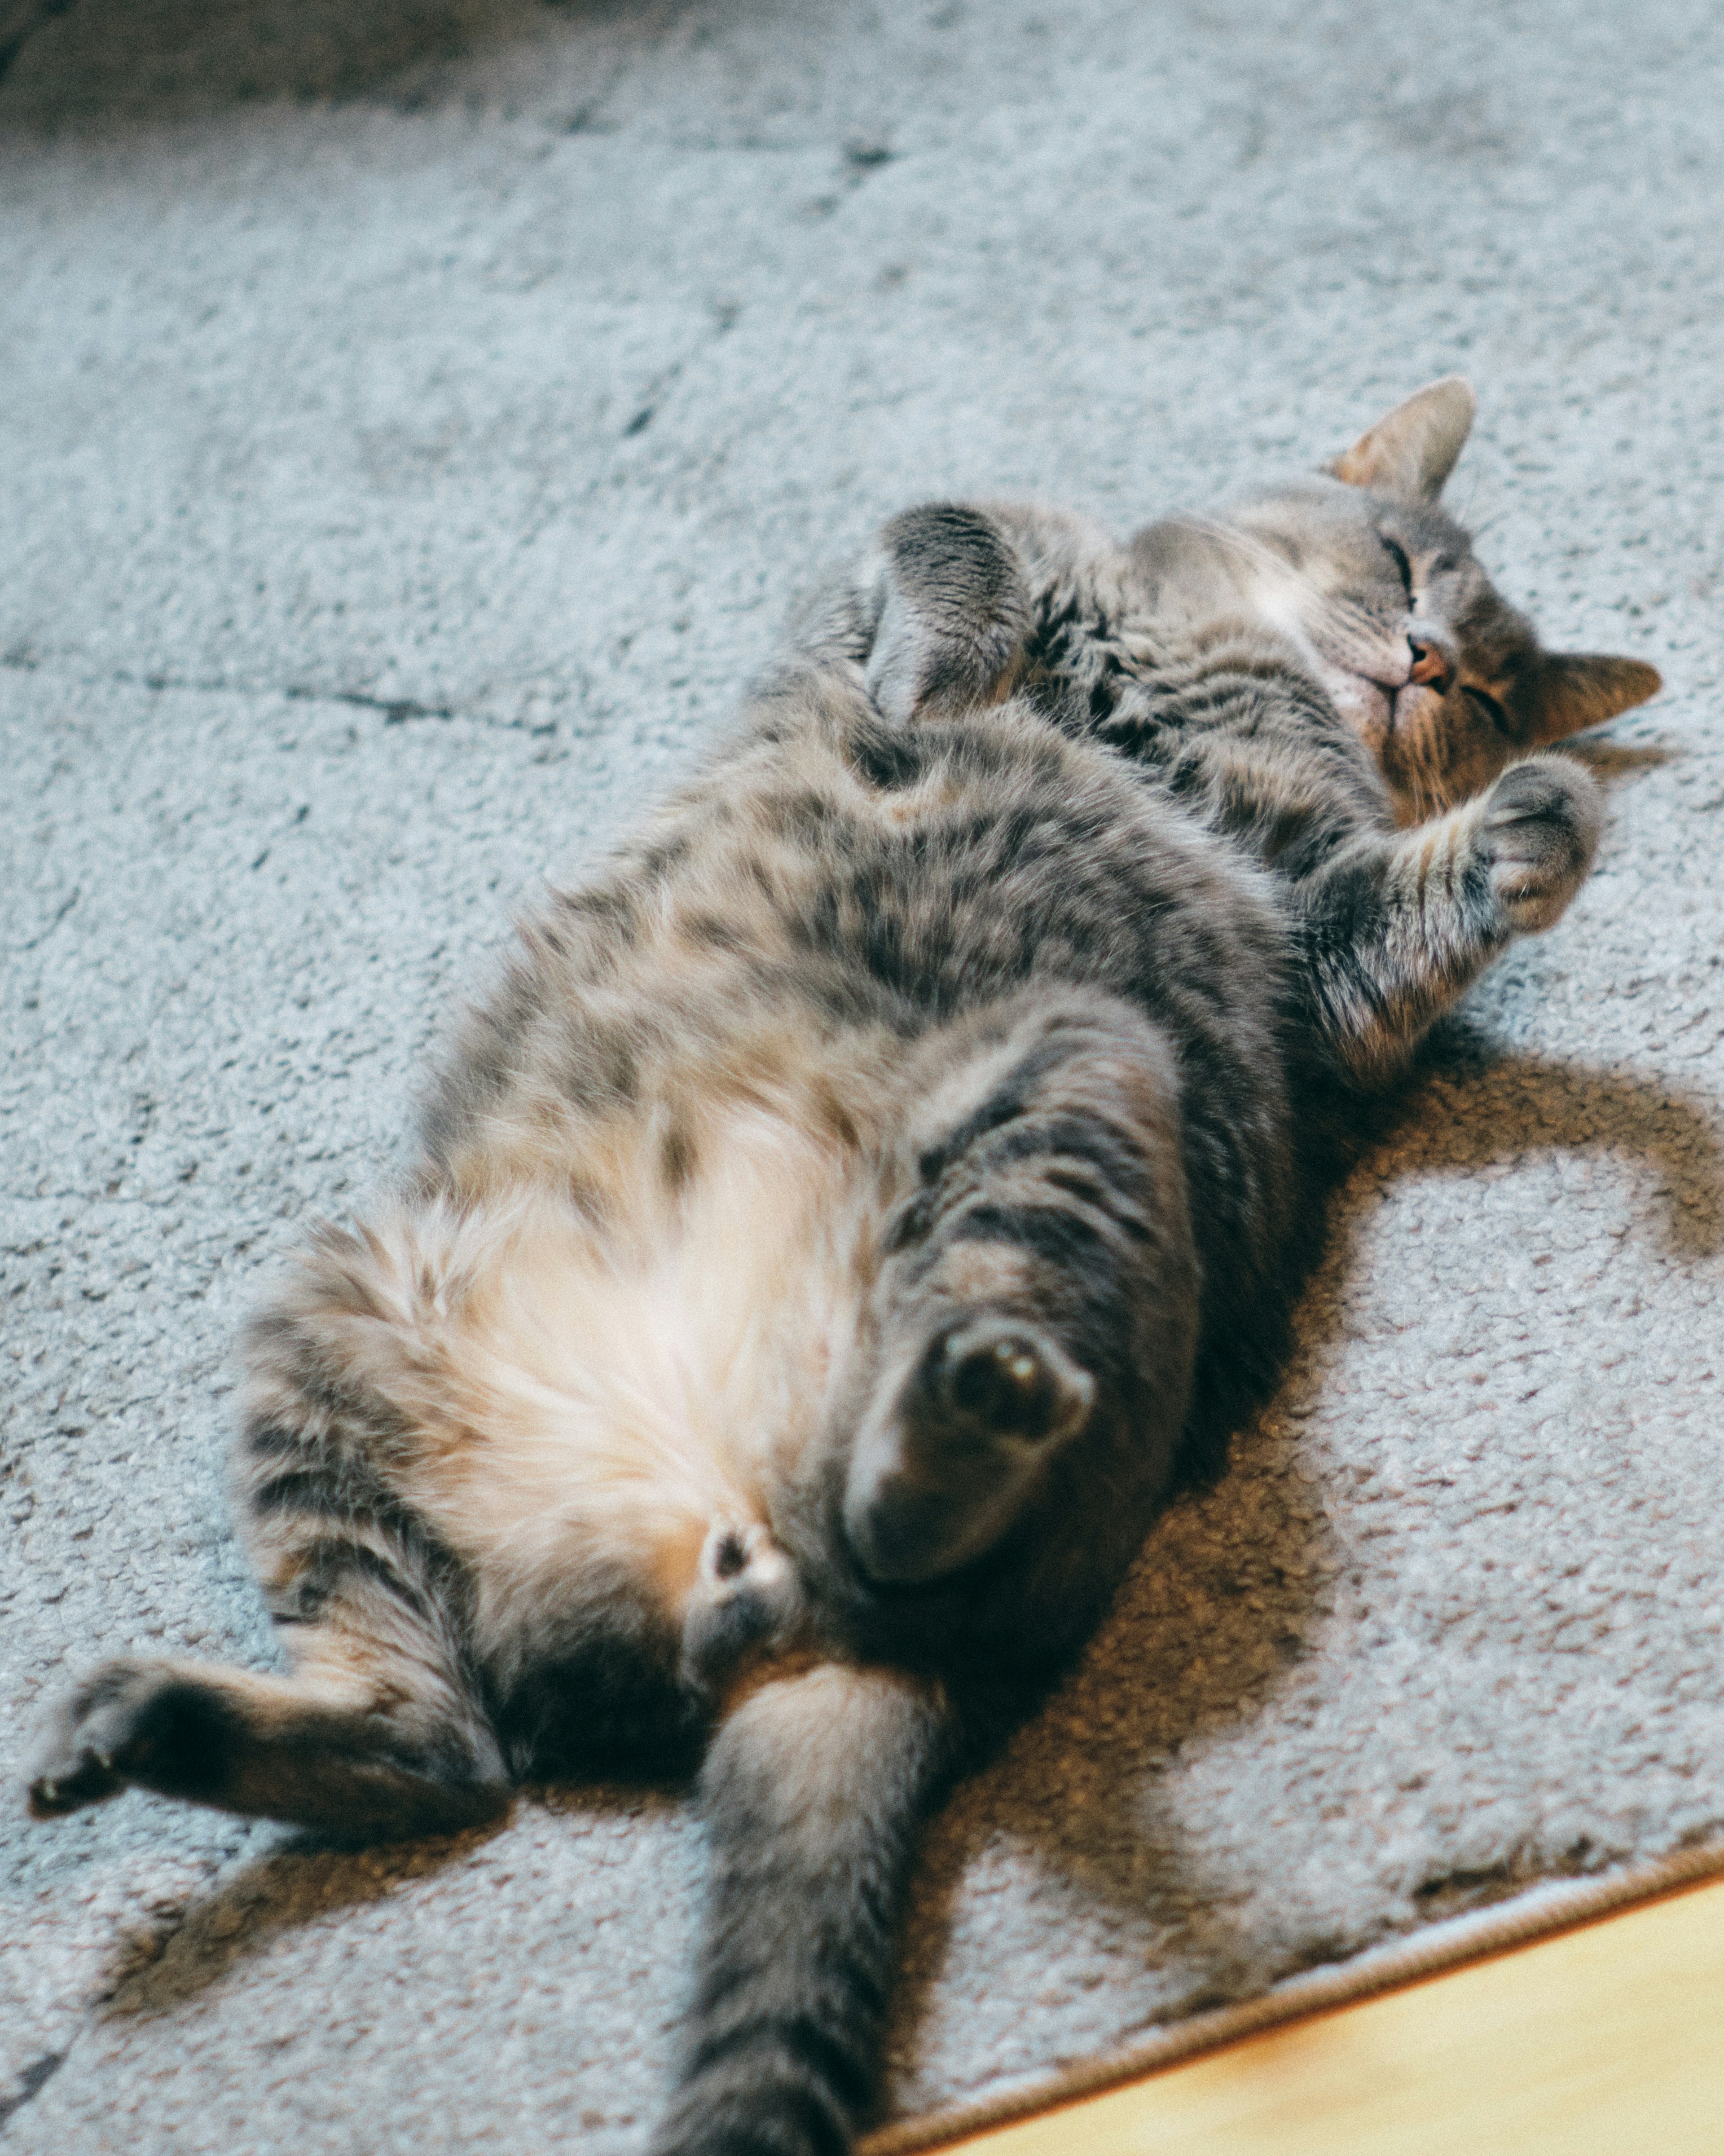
(862, 1203)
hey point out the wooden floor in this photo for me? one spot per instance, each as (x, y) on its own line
(1605, 2041)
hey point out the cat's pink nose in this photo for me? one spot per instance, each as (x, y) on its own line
(1431, 666)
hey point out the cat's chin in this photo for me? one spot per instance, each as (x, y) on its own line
(1387, 721)
(1369, 708)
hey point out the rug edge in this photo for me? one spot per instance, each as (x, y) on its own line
(1546, 1908)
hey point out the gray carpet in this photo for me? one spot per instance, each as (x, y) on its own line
(414, 418)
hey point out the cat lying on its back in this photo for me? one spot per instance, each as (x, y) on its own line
(860, 1202)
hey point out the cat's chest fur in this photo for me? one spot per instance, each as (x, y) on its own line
(1228, 718)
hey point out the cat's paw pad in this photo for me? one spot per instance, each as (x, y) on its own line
(1540, 831)
(97, 1735)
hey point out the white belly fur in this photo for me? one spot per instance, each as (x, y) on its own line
(585, 1395)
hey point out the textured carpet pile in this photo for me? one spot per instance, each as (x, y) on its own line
(413, 420)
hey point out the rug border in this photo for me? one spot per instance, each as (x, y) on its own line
(1546, 1908)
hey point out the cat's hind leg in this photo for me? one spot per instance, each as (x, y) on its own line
(377, 1734)
(343, 1758)
(1035, 1317)
(813, 1794)
(379, 1730)
(1399, 925)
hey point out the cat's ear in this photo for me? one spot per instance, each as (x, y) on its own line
(1573, 689)
(1411, 450)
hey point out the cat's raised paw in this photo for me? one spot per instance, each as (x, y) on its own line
(98, 1734)
(1540, 832)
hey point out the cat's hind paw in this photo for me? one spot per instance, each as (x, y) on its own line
(1538, 835)
(98, 1732)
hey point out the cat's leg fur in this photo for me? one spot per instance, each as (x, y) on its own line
(379, 1730)
(934, 614)
(814, 1793)
(1397, 925)
(1027, 1355)
(350, 1752)
(377, 1734)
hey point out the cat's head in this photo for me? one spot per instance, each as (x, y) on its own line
(1446, 683)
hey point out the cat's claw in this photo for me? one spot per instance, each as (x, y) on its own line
(95, 1733)
(1539, 833)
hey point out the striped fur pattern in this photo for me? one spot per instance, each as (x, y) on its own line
(859, 1204)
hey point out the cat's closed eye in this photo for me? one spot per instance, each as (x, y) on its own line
(1398, 554)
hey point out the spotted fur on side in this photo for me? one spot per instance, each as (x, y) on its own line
(858, 1205)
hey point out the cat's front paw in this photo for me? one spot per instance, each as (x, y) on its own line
(100, 1733)
(1539, 833)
